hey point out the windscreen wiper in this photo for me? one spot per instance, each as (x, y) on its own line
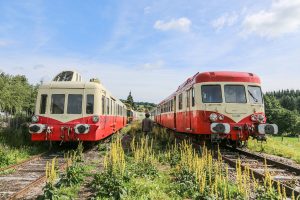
(255, 99)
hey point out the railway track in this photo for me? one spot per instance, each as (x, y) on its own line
(287, 176)
(26, 175)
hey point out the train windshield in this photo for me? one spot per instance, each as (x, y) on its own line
(57, 103)
(235, 94)
(255, 94)
(211, 94)
(74, 104)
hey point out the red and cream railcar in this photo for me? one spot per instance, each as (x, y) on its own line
(216, 106)
(68, 109)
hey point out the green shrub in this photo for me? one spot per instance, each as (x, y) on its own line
(74, 175)
(109, 185)
(185, 183)
(143, 169)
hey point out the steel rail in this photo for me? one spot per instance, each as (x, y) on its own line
(232, 162)
(23, 162)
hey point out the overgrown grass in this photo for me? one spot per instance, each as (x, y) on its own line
(288, 147)
(15, 146)
(158, 167)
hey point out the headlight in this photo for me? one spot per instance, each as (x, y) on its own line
(95, 118)
(35, 118)
(253, 118)
(213, 117)
(260, 117)
(221, 117)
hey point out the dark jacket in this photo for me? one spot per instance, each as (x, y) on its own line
(147, 125)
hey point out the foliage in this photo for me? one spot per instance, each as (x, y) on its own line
(51, 178)
(289, 99)
(185, 183)
(74, 175)
(109, 184)
(288, 121)
(288, 147)
(17, 95)
(15, 146)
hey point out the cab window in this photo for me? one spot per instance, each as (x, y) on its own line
(255, 94)
(74, 104)
(57, 103)
(235, 94)
(211, 94)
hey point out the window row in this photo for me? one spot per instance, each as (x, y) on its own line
(232, 93)
(190, 99)
(74, 105)
(110, 107)
(167, 107)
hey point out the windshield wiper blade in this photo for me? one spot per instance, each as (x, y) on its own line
(255, 99)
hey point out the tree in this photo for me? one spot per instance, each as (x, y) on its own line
(130, 101)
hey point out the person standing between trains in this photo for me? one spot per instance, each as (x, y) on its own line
(147, 124)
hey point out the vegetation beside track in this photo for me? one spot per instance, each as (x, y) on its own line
(15, 146)
(160, 168)
(287, 147)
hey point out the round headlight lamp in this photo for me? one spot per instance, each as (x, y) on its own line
(253, 118)
(213, 117)
(261, 117)
(95, 118)
(35, 118)
(221, 117)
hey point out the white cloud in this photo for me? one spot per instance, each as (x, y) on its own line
(282, 17)
(5, 43)
(154, 65)
(225, 20)
(147, 10)
(182, 24)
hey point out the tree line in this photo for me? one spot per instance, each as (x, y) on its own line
(288, 99)
(283, 108)
(18, 96)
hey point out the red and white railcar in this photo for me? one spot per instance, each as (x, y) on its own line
(68, 109)
(216, 106)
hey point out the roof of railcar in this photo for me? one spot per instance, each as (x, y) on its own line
(217, 76)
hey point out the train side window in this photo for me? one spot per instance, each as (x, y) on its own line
(180, 102)
(43, 103)
(188, 98)
(193, 97)
(107, 106)
(89, 104)
(74, 104)
(235, 94)
(57, 103)
(211, 94)
(103, 105)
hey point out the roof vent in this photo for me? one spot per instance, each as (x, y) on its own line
(95, 80)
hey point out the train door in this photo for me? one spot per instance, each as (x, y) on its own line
(188, 111)
(174, 107)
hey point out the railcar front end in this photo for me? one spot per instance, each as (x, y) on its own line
(73, 110)
(217, 106)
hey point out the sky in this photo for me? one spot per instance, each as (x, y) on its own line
(151, 47)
